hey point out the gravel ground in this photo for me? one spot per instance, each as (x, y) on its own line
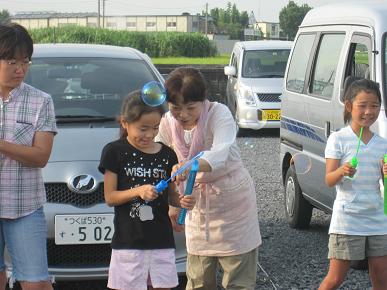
(288, 258)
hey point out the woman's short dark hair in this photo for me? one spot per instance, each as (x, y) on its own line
(185, 84)
(133, 107)
(15, 41)
(354, 89)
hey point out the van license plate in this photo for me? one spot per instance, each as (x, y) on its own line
(271, 115)
(83, 229)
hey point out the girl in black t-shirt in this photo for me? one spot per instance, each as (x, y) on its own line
(143, 245)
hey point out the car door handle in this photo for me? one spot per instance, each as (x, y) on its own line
(327, 129)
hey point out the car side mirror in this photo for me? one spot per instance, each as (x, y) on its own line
(230, 70)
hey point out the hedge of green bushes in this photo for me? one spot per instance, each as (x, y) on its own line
(155, 44)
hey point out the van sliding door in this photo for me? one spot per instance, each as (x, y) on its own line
(319, 111)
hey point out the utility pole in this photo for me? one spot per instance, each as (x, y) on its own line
(206, 24)
(99, 13)
(103, 13)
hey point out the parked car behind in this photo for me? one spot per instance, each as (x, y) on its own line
(87, 84)
(255, 78)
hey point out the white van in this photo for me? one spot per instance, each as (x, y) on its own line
(255, 77)
(335, 44)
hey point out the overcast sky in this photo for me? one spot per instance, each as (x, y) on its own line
(266, 10)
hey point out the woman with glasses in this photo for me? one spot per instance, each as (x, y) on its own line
(27, 129)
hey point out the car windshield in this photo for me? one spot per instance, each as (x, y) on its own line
(265, 63)
(88, 88)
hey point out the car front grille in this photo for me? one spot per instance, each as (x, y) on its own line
(60, 193)
(92, 255)
(269, 97)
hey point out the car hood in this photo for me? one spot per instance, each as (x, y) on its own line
(266, 85)
(81, 144)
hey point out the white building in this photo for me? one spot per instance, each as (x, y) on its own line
(178, 23)
(268, 29)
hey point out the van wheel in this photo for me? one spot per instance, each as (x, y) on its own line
(297, 209)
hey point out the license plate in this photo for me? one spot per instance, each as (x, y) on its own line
(83, 229)
(271, 115)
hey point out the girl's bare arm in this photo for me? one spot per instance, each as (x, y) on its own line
(334, 172)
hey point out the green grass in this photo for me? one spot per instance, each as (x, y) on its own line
(222, 60)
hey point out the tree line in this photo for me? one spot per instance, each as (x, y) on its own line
(231, 21)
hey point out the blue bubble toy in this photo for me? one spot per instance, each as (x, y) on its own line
(163, 184)
(188, 190)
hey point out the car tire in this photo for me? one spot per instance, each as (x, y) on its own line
(298, 210)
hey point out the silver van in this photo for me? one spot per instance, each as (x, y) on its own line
(87, 84)
(335, 45)
(255, 77)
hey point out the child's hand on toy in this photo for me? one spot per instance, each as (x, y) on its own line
(347, 170)
(148, 192)
(187, 201)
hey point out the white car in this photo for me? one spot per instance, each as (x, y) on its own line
(87, 84)
(255, 78)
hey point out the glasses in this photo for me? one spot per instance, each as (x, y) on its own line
(13, 63)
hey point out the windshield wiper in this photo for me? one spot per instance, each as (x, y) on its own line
(83, 118)
(271, 76)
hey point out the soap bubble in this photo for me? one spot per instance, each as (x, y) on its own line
(249, 144)
(302, 163)
(153, 94)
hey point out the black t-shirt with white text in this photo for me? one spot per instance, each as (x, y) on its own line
(139, 224)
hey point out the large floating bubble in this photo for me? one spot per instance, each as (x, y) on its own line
(302, 163)
(153, 94)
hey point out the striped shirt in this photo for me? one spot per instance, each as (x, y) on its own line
(358, 207)
(27, 111)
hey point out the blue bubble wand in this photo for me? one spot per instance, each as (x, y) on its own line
(163, 184)
(188, 189)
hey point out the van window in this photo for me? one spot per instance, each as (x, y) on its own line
(326, 64)
(299, 62)
(269, 63)
(360, 67)
(358, 62)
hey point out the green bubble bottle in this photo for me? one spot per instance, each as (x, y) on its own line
(385, 187)
(354, 161)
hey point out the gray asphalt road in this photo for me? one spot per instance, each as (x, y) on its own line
(288, 258)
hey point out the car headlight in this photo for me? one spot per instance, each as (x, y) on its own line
(246, 95)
